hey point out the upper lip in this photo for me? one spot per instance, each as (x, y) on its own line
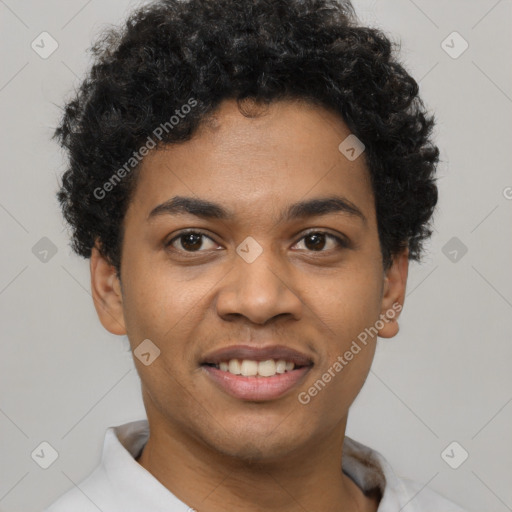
(257, 354)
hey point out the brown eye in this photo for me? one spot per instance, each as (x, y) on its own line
(190, 241)
(316, 241)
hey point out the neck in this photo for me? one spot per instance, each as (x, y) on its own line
(204, 478)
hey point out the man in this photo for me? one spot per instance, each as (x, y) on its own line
(250, 180)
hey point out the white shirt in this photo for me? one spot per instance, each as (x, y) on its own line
(121, 484)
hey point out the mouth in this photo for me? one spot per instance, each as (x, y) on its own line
(253, 368)
(256, 374)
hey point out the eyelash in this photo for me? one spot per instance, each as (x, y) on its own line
(341, 243)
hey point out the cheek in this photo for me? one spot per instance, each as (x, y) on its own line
(351, 307)
(168, 309)
(350, 302)
(349, 345)
(155, 297)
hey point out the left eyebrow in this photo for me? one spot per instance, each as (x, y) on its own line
(202, 208)
(323, 206)
(180, 205)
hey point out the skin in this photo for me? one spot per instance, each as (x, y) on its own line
(213, 451)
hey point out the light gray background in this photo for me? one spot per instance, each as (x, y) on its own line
(446, 376)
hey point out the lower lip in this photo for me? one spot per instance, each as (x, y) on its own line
(256, 388)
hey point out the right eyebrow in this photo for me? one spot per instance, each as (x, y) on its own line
(193, 206)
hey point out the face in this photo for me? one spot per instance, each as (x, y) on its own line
(262, 274)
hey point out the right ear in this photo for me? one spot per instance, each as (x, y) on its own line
(106, 293)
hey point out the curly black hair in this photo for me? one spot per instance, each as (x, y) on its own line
(178, 59)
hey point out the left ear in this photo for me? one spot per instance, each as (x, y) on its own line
(393, 294)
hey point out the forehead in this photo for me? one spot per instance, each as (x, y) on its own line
(288, 152)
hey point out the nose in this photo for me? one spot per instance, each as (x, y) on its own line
(259, 291)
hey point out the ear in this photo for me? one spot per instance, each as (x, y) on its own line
(393, 294)
(106, 293)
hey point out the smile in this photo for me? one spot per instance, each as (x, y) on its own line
(256, 381)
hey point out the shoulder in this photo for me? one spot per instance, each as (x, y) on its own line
(90, 495)
(425, 499)
(72, 500)
(370, 470)
(99, 490)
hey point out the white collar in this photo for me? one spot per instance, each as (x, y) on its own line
(125, 442)
(120, 484)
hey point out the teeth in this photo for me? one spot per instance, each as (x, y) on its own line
(250, 368)
(280, 366)
(234, 367)
(267, 368)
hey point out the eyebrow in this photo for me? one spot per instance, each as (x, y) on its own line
(180, 205)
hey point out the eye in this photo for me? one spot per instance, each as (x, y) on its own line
(193, 241)
(190, 241)
(316, 241)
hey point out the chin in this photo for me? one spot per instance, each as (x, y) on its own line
(256, 448)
